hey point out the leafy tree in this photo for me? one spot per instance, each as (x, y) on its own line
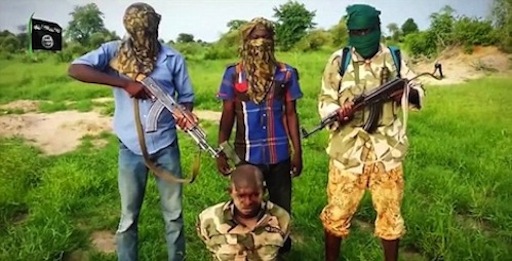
(394, 31)
(5, 33)
(502, 18)
(185, 38)
(96, 39)
(501, 13)
(23, 35)
(472, 31)
(442, 26)
(293, 21)
(9, 43)
(234, 25)
(339, 33)
(409, 26)
(314, 40)
(86, 21)
(421, 43)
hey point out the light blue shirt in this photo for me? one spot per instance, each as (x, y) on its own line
(170, 73)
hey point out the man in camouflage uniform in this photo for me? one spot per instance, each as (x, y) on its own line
(361, 160)
(246, 227)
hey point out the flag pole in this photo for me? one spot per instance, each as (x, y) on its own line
(29, 32)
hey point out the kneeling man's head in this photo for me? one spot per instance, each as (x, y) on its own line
(247, 189)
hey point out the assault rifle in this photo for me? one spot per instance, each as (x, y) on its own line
(372, 100)
(196, 132)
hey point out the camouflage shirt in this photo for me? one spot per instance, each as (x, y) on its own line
(346, 142)
(227, 239)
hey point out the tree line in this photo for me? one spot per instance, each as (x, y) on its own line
(295, 31)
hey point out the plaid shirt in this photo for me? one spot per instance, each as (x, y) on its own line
(261, 131)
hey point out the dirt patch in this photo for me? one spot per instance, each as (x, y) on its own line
(25, 106)
(104, 241)
(459, 67)
(208, 115)
(103, 100)
(21, 105)
(62, 131)
(54, 133)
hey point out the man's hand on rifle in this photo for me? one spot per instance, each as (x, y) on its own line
(137, 90)
(186, 122)
(344, 111)
(222, 164)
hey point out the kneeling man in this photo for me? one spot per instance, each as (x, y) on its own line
(247, 227)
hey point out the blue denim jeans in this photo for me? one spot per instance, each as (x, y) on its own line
(132, 178)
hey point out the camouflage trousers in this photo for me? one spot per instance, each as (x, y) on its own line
(345, 191)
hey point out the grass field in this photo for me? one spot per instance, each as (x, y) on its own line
(457, 202)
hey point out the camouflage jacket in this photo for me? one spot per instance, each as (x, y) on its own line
(228, 240)
(346, 142)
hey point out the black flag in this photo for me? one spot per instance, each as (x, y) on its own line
(45, 35)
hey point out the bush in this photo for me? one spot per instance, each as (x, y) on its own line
(421, 43)
(6, 56)
(471, 31)
(314, 41)
(189, 49)
(218, 52)
(9, 44)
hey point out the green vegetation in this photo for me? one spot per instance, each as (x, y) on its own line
(296, 32)
(457, 200)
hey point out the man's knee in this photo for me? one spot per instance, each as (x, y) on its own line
(336, 220)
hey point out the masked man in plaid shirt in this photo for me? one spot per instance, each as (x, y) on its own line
(261, 93)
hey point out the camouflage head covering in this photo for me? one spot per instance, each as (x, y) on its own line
(138, 53)
(258, 58)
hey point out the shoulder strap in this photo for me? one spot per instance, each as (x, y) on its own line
(397, 58)
(345, 60)
(238, 70)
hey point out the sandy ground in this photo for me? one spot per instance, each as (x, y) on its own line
(54, 133)
(61, 132)
(104, 241)
(459, 67)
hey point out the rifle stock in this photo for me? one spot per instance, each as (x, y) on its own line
(373, 99)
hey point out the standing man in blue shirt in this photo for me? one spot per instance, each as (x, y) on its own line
(260, 93)
(116, 64)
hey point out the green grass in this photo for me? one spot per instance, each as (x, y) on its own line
(457, 194)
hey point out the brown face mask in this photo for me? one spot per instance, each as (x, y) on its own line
(258, 60)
